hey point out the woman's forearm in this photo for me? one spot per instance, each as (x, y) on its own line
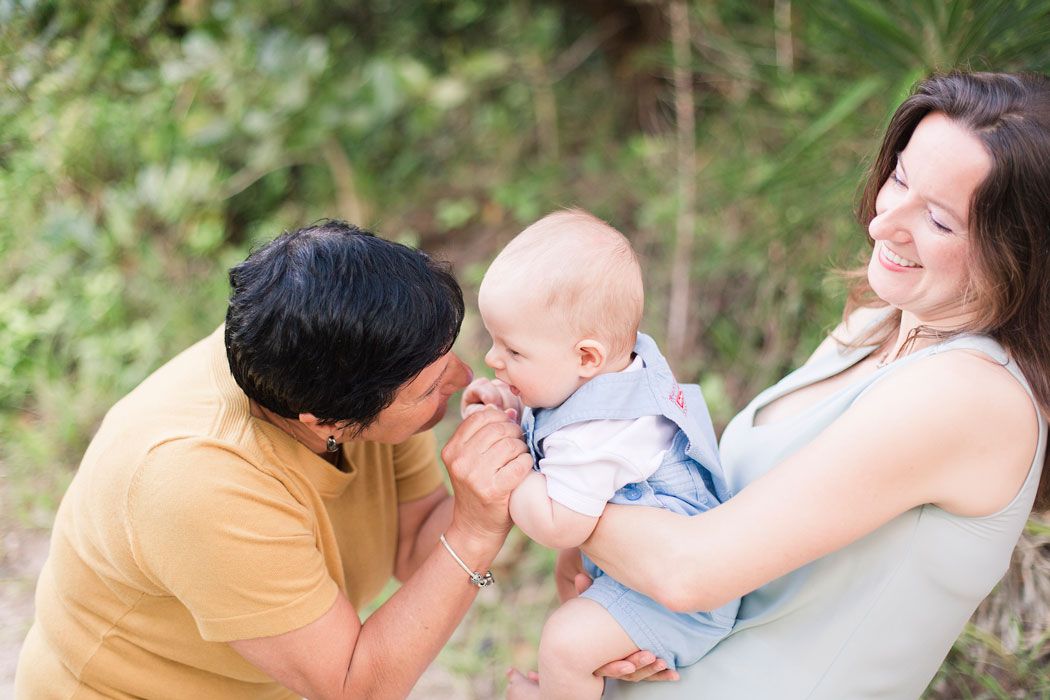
(420, 524)
(404, 635)
(635, 545)
(336, 657)
(656, 552)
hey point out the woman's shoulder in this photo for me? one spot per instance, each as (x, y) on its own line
(198, 472)
(973, 372)
(965, 410)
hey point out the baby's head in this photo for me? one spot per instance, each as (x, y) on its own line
(562, 303)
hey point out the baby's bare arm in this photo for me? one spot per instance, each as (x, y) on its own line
(549, 523)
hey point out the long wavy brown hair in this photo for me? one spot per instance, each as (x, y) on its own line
(1009, 220)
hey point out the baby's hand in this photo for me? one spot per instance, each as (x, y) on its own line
(483, 392)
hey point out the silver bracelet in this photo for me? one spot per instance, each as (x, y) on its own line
(476, 578)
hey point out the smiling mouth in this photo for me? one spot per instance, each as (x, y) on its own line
(897, 259)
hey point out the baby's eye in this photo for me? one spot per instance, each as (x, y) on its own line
(513, 353)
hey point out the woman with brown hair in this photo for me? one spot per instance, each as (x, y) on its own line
(880, 488)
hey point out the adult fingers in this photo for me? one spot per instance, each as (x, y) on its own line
(487, 456)
(567, 568)
(472, 408)
(639, 666)
(492, 448)
(477, 422)
(511, 473)
(499, 444)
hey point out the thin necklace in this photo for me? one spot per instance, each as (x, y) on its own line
(884, 359)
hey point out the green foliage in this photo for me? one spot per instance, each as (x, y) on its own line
(939, 35)
(146, 145)
(981, 668)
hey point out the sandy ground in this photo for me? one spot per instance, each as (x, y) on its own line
(22, 553)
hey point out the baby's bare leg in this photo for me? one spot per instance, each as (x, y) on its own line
(578, 638)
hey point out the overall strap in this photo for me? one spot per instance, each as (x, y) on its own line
(631, 395)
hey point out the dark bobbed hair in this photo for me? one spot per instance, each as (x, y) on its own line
(1009, 218)
(331, 320)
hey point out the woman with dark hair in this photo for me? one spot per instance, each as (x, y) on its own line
(880, 488)
(236, 510)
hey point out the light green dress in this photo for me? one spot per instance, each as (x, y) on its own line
(874, 619)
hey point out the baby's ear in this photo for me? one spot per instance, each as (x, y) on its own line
(592, 355)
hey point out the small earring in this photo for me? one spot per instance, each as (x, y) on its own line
(330, 444)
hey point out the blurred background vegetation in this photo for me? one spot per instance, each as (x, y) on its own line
(146, 145)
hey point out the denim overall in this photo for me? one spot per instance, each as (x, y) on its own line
(688, 481)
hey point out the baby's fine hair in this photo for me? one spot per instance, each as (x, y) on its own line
(583, 271)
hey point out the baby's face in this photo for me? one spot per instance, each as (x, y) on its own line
(530, 352)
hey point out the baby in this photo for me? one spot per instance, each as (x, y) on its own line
(606, 422)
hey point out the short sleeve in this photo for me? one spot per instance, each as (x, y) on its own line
(417, 469)
(228, 541)
(584, 480)
(586, 463)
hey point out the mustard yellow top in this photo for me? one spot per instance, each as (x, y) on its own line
(189, 524)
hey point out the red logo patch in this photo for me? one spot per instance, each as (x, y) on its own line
(678, 397)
